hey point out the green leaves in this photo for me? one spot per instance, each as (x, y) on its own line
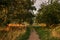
(16, 9)
(49, 13)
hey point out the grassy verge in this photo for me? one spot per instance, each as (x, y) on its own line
(3, 34)
(25, 36)
(45, 34)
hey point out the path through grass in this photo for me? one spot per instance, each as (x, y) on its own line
(33, 35)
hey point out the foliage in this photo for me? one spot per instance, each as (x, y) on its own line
(16, 9)
(49, 14)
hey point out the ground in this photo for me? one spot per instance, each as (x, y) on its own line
(33, 35)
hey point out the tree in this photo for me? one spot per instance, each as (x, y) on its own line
(49, 14)
(15, 9)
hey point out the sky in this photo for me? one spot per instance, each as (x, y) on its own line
(38, 3)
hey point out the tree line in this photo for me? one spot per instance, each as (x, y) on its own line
(16, 10)
(19, 11)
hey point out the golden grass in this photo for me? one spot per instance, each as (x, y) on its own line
(56, 32)
(12, 34)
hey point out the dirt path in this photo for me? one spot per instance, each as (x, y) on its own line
(33, 35)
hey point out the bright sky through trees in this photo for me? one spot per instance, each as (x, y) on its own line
(38, 3)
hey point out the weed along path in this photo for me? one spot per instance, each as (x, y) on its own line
(33, 35)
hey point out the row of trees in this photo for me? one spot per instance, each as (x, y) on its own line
(16, 10)
(21, 10)
(49, 13)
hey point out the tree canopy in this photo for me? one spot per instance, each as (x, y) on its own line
(15, 9)
(49, 14)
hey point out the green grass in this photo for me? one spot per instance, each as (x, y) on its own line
(25, 36)
(44, 34)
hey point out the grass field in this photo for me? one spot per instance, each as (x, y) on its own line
(24, 36)
(15, 34)
(45, 34)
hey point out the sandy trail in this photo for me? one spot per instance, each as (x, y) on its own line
(33, 35)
